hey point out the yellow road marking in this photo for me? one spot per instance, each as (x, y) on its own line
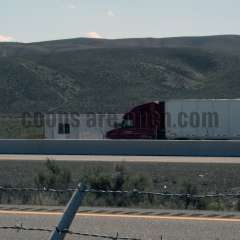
(109, 215)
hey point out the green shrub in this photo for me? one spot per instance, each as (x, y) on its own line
(216, 206)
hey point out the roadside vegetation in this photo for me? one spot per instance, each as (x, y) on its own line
(121, 177)
(13, 127)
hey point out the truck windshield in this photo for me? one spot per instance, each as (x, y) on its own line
(127, 123)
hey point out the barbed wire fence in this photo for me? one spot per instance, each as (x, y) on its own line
(63, 231)
(20, 228)
(129, 192)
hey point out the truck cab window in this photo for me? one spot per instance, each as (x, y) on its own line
(127, 123)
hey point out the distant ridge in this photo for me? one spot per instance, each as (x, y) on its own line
(101, 75)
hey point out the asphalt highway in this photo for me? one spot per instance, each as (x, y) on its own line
(145, 227)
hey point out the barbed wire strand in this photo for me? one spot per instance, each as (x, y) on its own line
(130, 192)
(19, 228)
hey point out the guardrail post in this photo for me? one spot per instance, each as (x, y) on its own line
(69, 214)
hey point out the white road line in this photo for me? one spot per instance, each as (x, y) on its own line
(150, 159)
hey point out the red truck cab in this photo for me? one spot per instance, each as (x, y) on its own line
(142, 122)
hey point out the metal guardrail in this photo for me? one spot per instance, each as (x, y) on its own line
(209, 148)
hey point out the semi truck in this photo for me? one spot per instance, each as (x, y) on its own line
(198, 119)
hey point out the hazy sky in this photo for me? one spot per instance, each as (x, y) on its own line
(37, 20)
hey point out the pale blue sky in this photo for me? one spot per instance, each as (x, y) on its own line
(32, 20)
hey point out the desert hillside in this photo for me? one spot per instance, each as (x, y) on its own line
(98, 75)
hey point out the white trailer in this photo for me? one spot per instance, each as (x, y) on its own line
(79, 126)
(202, 119)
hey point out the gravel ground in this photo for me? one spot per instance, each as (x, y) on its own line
(146, 229)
